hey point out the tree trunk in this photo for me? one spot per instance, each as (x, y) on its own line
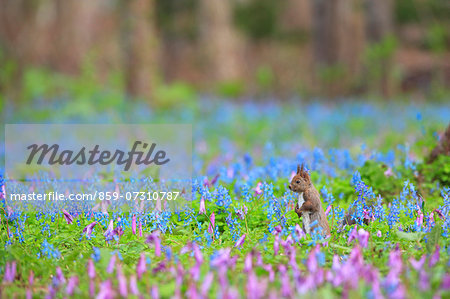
(221, 40)
(339, 39)
(141, 47)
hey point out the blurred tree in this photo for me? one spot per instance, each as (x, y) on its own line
(74, 20)
(141, 46)
(338, 32)
(379, 30)
(220, 39)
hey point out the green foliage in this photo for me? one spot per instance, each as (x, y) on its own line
(258, 18)
(332, 74)
(231, 88)
(439, 171)
(436, 39)
(177, 94)
(372, 173)
(265, 77)
(406, 11)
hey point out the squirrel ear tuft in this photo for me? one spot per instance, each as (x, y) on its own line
(306, 176)
(298, 169)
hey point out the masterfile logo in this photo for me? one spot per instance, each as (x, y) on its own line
(73, 151)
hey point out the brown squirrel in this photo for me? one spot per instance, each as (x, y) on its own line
(309, 205)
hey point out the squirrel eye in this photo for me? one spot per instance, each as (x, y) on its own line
(298, 182)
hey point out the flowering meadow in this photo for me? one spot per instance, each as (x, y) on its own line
(239, 236)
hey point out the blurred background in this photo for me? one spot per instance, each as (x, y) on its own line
(167, 52)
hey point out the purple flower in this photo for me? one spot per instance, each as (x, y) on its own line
(118, 232)
(31, 278)
(255, 289)
(123, 289)
(212, 223)
(141, 266)
(276, 245)
(154, 292)
(71, 285)
(88, 229)
(202, 209)
(286, 290)
(299, 231)
(60, 275)
(195, 271)
(153, 238)
(379, 234)
(192, 292)
(424, 280)
(388, 172)
(106, 290)
(10, 272)
(328, 210)
(133, 224)
(258, 190)
(133, 285)
(363, 237)
(197, 253)
(67, 216)
(239, 242)
(248, 263)
(91, 269)
(140, 229)
(434, 258)
(353, 234)
(417, 265)
(111, 264)
(445, 285)
(109, 233)
(215, 178)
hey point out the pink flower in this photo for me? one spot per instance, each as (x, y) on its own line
(10, 272)
(379, 234)
(140, 228)
(153, 238)
(91, 269)
(202, 209)
(123, 289)
(417, 265)
(239, 242)
(141, 266)
(109, 233)
(207, 284)
(445, 284)
(300, 233)
(133, 224)
(363, 237)
(328, 210)
(212, 223)
(106, 290)
(88, 229)
(71, 285)
(419, 220)
(154, 292)
(67, 216)
(434, 258)
(248, 262)
(111, 264)
(258, 189)
(388, 172)
(133, 285)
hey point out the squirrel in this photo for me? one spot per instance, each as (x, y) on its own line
(309, 206)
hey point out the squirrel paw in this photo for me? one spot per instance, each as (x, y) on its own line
(298, 211)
